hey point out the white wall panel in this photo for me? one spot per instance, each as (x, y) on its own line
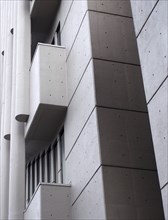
(141, 11)
(165, 200)
(79, 57)
(73, 22)
(91, 203)
(79, 109)
(153, 47)
(158, 112)
(84, 158)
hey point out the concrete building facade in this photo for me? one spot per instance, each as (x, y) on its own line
(76, 138)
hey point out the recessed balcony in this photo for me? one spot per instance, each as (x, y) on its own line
(48, 92)
(42, 17)
(49, 201)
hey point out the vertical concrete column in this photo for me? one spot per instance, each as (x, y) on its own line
(17, 153)
(5, 145)
(8, 85)
(17, 171)
(5, 150)
(22, 61)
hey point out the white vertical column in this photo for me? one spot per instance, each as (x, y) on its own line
(22, 61)
(5, 145)
(17, 151)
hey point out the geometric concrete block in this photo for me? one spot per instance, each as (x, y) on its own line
(85, 156)
(113, 38)
(125, 139)
(118, 7)
(91, 204)
(79, 57)
(132, 194)
(152, 43)
(158, 114)
(48, 92)
(50, 201)
(165, 200)
(79, 109)
(72, 25)
(141, 11)
(119, 86)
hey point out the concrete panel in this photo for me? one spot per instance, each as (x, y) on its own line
(152, 44)
(119, 85)
(131, 194)
(79, 57)
(158, 113)
(55, 202)
(141, 11)
(34, 208)
(48, 94)
(73, 23)
(50, 201)
(79, 109)
(61, 17)
(165, 200)
(125, 139)
(119, 7)
(113, 38)
(91, 204)
(84, 158)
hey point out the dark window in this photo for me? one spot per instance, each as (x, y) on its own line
(49, 165)
(33, 177)
(29, 182)
(43, 166)
(58, 33)
(38, 169)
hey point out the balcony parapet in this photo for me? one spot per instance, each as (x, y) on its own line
(48, 92)
(49, 201)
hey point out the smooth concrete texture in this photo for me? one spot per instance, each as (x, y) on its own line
(5, 166)
(48, 95)
(119, 86)
(72, 25)
(141, 11)
(113, 38)
(62, 15)
(79, 109)
(79, 57)
(125, 139)
(158, 112)
(17, 171)
(58, 196)
(8, 85)
(84, 158)
(22, 60)
(91, 203)
(131, 194)
(119, 7)
(153, 48)
(152, 45)
(165, 200)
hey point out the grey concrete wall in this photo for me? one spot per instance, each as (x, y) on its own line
(107, 124)
(151, 25)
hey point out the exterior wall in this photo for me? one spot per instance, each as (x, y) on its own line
(151, 25)
(109, 158)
